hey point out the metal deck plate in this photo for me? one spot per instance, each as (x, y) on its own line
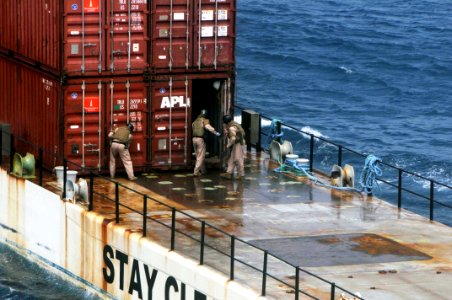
(340, 249)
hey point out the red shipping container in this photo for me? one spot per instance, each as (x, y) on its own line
(73, 119)
(105, 37)
(193, 35)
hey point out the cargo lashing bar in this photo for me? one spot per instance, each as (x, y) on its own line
(170, 123)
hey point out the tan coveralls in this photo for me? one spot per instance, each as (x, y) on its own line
(237, 143)
(199, 144)
(121, 138)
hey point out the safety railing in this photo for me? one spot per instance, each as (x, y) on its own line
(422, 195)
(243, 256)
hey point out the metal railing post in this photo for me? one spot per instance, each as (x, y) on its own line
(64, 177)
(333, 290)
(145, 214)
(339, 156)
(40, 159)
(173, 228)
(91, 191)
(1, 146)
(11, 153)
(203, 235)
(311, 153)
(297, 282)
(117, 201)
(264, 274)
(231, 271)
(399, 190)
(432, 191)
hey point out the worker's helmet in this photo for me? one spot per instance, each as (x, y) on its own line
(204, 112)
(130, 126)
(227, 119)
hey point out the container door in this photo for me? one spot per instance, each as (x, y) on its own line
(172, 34)
(127, 38)
(170, 123)
(83, 124)
(214, 33)
(127, 103)
(83, 37)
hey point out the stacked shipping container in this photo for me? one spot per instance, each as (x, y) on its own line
(71, 70)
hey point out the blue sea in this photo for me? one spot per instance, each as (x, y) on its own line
(373, 76)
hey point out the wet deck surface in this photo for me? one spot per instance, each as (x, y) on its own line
(361, 243)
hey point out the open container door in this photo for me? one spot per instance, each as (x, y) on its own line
(170, 125)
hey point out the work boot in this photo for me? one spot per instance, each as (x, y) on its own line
(133, 178)
(226, 175)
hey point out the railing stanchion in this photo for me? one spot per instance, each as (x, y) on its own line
(333, 290)
(297, 282)
(339, 156)
(64, 177)
(399, 190)
(11, 152)
(432, 191)
(117, 201)
(231, 272)
(203, 236)
(173, 228)
(311, 154)
(40, 159)
(264, 274)
(145, 214)
(1, 146)
(91, 191)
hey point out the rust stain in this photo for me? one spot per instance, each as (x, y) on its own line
(330, 240)
(377, 245)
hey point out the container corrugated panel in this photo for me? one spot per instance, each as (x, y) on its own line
(93, 107)
(29, 102)
(31, 30)
(176, 102)
(193, 35)
(82, 37)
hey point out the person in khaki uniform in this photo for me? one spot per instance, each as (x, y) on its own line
(120, 141)
(198, 129)
(235, 145)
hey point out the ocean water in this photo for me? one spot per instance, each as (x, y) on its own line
(374, 76)
(21, 279)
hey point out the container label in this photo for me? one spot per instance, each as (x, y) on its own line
(175, 100)
(207, 15)
(91, 6)
(207, 31)
(222, 30)
(222, 14)
(179, 16)
(91, 105)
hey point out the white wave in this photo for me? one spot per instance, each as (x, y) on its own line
(347, 70)
(313, 131)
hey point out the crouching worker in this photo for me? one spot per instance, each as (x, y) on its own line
(235, 148)
(120, 141)
(199, 126)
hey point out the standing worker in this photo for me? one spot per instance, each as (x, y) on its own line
(120, 142)
(235, 145)
(198, 129)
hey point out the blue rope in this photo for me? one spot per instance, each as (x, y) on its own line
(368, 180)
(273, 135)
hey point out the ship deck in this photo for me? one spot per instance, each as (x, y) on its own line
(359, 242)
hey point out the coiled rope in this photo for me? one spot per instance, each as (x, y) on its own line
(367, 178)
(273, 134)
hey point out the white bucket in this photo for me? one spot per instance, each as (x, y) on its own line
(59, 171)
